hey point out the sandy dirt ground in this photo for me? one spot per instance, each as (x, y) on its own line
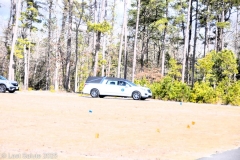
(65, 126)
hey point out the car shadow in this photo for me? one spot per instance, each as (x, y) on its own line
(116, 98)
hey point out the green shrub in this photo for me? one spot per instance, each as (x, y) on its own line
(179, 91)
(170, 89)
(81, 86)
(52, 89)
(203, 93)
(233, 94)
(221, 91)
(155, 89)
(142, 82)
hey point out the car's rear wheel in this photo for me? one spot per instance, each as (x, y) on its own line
(94, 93)
(136, 95)
(2, 88)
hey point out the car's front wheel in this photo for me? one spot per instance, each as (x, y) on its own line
(136, 95)
(2, 88)
(12, 91)
(94, 93)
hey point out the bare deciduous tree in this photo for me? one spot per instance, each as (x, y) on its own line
(135, 41)
(15, 32)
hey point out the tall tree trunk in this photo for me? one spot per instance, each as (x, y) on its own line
(104, 12)
(206, 30)
(103, 54)
(69, 44)
(57, 66)
(61, 40)
(236, 36)
(216, 39)
(57, 51)
(109, 66)
(147, 47)
(49, 43)
(189, 42)
(164, 41)
(125, 50)
(76, 49)
(135, 41)
(11, 22)
(37, 60)
(98, 44)
(121, 40)
(25, 68)
(221, 30)
(143, 49)
(236, 42)
(143, 41)
(28, 62)
(76, 59)
(186, 41)
(97, 48)
(11, 63)
(112, 35)
(195, 44)
(95, 39)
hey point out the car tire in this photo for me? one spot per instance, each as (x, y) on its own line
(136, 95)
(101, 96)
(12, 91)
(3, 88)
(94, 93)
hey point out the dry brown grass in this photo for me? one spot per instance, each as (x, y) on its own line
(117, 128)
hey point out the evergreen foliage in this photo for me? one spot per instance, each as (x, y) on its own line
(217, 85)
(99, 27)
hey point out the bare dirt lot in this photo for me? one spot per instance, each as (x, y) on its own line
(38, 125)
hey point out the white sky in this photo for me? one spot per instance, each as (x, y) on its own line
(4, 10)
(4, 14)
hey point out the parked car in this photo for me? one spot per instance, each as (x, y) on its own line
(109, 86)
(7, 85)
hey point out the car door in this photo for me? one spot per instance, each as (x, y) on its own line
(111, 88)
(123, 89)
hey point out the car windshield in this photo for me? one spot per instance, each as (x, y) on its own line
(132, 84)
(2, 78)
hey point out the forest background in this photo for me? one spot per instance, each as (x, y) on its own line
(184, 50)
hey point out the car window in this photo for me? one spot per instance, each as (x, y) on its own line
(104, 81)
(111, 83)
(132, 84)
(121, 83)
(128, 85)
(2, 78)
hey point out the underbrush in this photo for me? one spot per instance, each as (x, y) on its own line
(173, 90)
